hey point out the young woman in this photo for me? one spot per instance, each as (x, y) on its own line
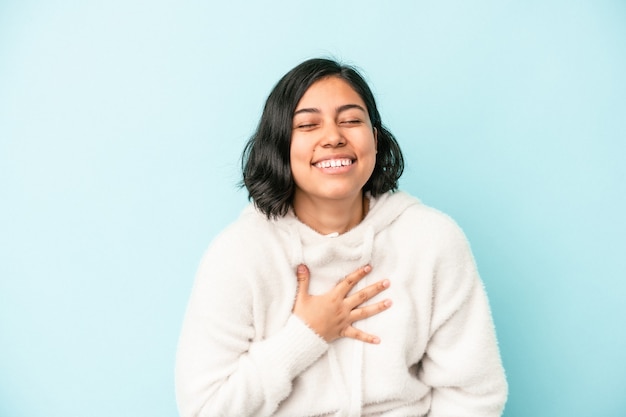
(334, 294)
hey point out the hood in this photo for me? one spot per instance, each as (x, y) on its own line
(354, 245)
(332, 256)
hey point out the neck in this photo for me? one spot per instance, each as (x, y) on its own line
(330, 216)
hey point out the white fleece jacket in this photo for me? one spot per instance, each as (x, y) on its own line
(243, 353)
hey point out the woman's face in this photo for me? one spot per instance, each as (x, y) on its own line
(333, 143)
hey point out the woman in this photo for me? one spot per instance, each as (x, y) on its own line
(272, 329)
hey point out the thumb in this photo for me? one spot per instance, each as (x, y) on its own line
(302, 273)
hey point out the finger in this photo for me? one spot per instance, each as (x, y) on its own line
(369, 311)
(351, 279)
(367, 293)
(357, 334)
(302, 273)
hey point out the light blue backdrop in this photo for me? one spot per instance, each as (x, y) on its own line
(121, 125)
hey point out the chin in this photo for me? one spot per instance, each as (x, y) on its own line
(341, 194)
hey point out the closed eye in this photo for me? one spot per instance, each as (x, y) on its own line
(306, 126)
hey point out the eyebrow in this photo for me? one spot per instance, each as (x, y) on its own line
(339, 109)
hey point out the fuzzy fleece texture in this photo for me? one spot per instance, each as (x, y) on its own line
(243, 353)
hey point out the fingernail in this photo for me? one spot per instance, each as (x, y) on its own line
(387, 303)
(386, 283)
(375, 340)
(301, 269)
(367, 268)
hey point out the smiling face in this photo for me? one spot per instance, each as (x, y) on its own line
(333, 143)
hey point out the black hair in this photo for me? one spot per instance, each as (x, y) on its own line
(265, 159)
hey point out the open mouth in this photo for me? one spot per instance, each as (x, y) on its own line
(334, 163)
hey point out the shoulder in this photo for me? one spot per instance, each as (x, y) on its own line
(423, 221)
(236, 255)
(417, 213)
(246, 235)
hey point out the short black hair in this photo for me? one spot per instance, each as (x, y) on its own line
(265, 159)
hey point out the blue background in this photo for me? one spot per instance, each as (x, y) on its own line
(121, 126)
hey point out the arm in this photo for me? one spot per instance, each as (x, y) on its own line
(462, 361)
(222, 371)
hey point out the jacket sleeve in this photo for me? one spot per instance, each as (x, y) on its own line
(222, 368)
(462, 361)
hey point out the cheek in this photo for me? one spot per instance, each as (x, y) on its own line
(368, 147)
(296, 152)
(299, 157)
(295, 148)
(370, 152)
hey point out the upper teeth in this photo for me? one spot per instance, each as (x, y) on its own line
(328, 163)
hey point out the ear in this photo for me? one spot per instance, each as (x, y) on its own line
(376, 139)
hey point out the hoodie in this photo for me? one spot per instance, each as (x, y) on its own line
(242, 352)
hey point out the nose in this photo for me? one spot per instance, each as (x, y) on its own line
(332, 136)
